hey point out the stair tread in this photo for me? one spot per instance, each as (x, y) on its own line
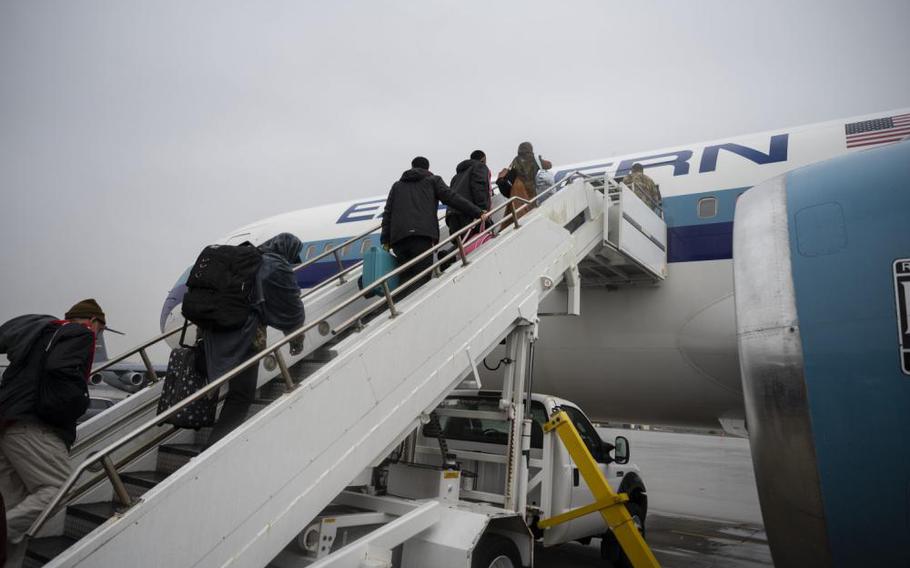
(48, 548)
(191, 450)
(95, 512)
(145, 478)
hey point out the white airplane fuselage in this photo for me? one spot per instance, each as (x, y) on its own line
(662, 354)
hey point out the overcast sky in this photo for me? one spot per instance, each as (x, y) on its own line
(134, 133)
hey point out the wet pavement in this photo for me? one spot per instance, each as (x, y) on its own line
(677, 542)
(702, 502)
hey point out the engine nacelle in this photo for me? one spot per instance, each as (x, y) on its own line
(129, 381)
(102, 377)
(822, 275)
(132, 378)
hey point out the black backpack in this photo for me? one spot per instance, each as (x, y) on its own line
(62, 395)
(220, 287)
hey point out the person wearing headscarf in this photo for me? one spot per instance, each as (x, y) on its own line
(520, 178)
(276, 303)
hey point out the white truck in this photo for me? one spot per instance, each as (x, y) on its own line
(454, 472)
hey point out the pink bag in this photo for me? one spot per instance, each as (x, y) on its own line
(476, 241)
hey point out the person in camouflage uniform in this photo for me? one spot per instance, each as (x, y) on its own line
(643, 186)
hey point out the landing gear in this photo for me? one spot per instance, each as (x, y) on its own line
(494, 551)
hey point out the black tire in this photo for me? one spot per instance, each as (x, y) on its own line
(494, 551)
(610, 549)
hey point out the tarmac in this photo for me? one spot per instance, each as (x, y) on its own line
(703, 506)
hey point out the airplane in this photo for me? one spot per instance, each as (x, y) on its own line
(657, 354)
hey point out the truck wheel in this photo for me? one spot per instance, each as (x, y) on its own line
(494, 551)
(610, 550)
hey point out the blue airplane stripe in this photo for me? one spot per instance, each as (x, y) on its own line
(682, 210)
(320, 271)
(712, 241)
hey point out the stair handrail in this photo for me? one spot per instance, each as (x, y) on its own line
(513, 204)
(140, 349)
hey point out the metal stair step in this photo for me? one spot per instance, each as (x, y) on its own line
(271, 390)
(43, 550)
(304, 369)
(172, 457)
(83, 518)
(203, 434)
(138, 482)
(321, 355)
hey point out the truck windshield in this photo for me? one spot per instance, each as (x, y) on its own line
(484, 430)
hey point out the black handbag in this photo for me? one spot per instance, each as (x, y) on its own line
(504, 184)
(185, 376)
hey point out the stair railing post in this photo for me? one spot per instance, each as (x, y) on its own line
(285, 373)
(388, 298)
(464, 257)
(149, 369)
(119, 488)
(340, 266)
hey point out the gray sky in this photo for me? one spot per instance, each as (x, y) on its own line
(134, 133)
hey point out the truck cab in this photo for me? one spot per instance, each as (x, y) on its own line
(475, 436)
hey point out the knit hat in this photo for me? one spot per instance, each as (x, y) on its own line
(87, 309)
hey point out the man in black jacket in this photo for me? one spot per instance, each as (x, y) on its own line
(410, 225)
(44, 390)
(471, 181)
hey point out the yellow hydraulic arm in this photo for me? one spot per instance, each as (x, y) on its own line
(609, 504)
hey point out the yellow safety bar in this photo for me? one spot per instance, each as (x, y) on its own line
(607, 503)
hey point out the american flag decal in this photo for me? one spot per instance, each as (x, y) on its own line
(877, 131)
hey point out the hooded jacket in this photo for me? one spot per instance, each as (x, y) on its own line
(279, 301)
(412, 205)
(277, 304)
(25, 340)
(471, 181)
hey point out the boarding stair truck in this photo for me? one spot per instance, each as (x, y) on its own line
(356, 397)
(467, 438)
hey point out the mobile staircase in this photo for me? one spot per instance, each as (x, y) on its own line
(145, 494)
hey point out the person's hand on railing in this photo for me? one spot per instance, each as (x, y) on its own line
(484, 216)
